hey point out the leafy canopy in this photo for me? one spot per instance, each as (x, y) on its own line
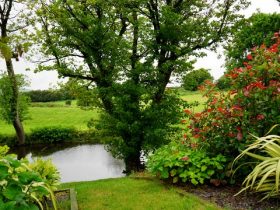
(126, 51)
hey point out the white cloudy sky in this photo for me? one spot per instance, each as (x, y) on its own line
(45, 80)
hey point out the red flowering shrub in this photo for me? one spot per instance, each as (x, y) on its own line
(252, 105)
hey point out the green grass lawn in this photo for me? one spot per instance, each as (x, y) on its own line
(59, 114)
(192, 96)
(135, 194)
(53, 116)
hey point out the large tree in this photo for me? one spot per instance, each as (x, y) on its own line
(12, 25)
(129, 50)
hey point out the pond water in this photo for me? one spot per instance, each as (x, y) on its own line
(79, 162)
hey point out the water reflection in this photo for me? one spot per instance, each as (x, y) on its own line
(83, 162)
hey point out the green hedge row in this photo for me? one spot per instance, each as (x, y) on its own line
(55, 134)
(49, 95)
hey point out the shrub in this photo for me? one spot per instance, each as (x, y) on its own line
(3, 150)
(251, 105)
(49, 95)
(68, 102)
(194, 79)
(21, 187)
(182, 164)
(52, 135)
(265, 177)
(47, 171)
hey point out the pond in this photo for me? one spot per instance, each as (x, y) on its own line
(78, 162)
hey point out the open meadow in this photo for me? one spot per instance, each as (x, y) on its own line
(51, 114)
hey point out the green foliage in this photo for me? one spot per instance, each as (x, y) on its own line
(3, 150)
(54, 134)
(21, 187)
(265, 176)
(128, 51)
(147, 129)
(181, 164)
(6, 93)
(254, 31)
(223, 83)
(47, 171)
(250, 106)
(194, 79)
(49, 95)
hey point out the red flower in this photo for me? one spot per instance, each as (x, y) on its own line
(183, 121)
(249, 57)
(196, 136)
(273, 48)
(246, 91)
(236, 107)
(260, 117)
(186, 158)
(239, 134)
(185, 136)
(231, 135)
(215, 100)
(193, 145)
(197, 114)
(187, 111)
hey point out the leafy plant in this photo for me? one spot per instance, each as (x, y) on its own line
(251, 105)
(20, 187)
(3, 150)
(265, 177)
(52, 134)
(180, 163)
(47, 171)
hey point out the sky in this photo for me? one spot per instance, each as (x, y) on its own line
(49, 79)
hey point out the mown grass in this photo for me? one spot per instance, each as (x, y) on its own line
(134, 193)
(71, 116)
(58, 114)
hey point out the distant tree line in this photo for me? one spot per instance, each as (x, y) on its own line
(49, 95)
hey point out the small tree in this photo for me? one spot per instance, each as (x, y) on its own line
(12, 26)
(6, 95)
(194, 79)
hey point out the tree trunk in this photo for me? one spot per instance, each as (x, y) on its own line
(133, 163)
(14, 103)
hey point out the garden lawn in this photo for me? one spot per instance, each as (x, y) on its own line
(53, 116)
(134, 194)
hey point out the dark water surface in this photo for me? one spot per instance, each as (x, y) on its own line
(78, 162)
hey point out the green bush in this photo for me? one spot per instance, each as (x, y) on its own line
(47, 171)
(3, 150)
(49, 95)
(21, 187)
(52, 135)
(251, 105)
(182, 164)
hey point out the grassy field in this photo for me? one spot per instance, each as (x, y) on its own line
(58, 114)
(137, 194)
(53, 116)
